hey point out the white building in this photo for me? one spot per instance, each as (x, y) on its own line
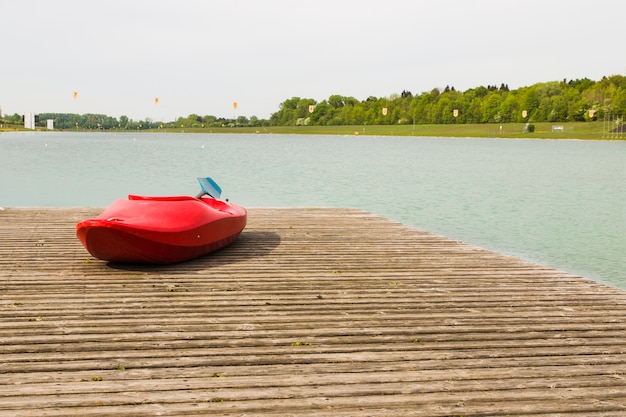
(29, 121)
(50, 124)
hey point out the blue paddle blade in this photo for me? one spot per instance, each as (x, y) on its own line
(210, 187)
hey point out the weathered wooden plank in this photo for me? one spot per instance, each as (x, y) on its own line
(312, 311)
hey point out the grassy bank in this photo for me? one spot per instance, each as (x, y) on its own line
(588, 130)
(592, 130)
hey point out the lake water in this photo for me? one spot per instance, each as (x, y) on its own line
(558, 203)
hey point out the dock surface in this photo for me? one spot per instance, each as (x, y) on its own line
(311, 312)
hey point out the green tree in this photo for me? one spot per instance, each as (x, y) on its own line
(490, 108)
(510, 108)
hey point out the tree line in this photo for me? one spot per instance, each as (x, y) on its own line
(89, 121)
(559, 101)
(577, 100)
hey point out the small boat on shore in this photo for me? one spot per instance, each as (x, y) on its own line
(163, 230)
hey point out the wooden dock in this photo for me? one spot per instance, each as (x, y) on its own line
(312, 312)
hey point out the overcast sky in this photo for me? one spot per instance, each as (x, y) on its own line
(200, 56)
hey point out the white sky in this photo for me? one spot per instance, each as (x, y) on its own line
(200, 56)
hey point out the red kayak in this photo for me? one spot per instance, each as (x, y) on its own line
(161, 230)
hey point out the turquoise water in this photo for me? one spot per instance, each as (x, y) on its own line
(558, 203)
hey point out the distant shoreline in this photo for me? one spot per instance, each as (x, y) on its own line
(573, 130)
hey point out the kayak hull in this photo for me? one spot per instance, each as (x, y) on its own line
(161, 230)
